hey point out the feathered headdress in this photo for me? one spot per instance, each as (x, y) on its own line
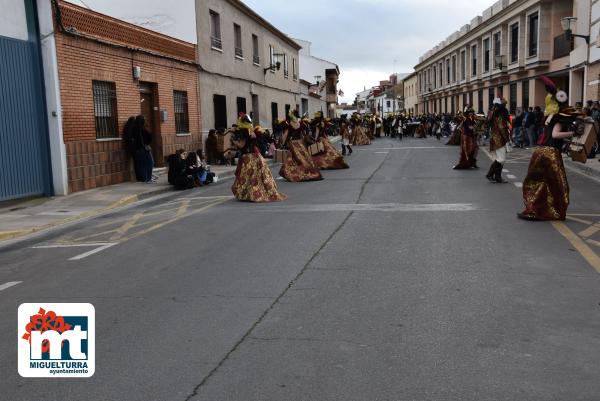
(244, 121)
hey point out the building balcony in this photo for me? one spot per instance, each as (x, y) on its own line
(215, 43)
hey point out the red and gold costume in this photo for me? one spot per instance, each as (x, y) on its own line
(545, 189)
(331, 159)
(298, 165)
(468, 143)
(359, 135)
(253, 179)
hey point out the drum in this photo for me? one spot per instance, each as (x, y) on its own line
(586, 135)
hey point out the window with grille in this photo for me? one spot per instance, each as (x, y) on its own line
(294, 72)
(255, 55)
(497, 44)
(215, 30)
(486, 55)
(533, 34)
(182, 123)
(453, 68)
(514, 43)
(463, 65)
(237, 36)
(474, 60)
(525, 94)
(105, 109)
(513, 98)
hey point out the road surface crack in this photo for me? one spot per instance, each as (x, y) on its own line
(277, 300)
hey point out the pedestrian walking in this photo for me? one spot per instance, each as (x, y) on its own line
(143, 160)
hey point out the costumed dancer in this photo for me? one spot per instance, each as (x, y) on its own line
(468, 142)
(330, 159)
(545, 188)
(253, 179)
(298, 165)
(454, 139)
(359, 137)
(499, 138)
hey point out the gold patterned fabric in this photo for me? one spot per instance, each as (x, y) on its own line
(359, 136)
(254, 181)
(545, 189)
(298, 165)
(331, 159)
(468, 152)
(500, 133)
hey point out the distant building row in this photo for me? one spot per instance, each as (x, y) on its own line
(504, 51)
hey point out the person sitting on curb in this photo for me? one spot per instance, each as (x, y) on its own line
(177, 171)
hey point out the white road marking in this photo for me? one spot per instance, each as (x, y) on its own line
(9, 284)
(370, 207)
(280, 178)
(97, 244)
(505, 170)
(99, 247)
(382, 153)
(518, 184)
(404, 148)
(512, 177)
(93, 251)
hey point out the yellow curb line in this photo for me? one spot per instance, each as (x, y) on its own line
(585, 251)
(6, 235)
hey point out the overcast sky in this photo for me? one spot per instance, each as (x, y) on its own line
(363, 37)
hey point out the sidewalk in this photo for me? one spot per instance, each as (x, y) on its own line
(19, 219)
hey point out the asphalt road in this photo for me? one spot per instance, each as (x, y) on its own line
(398, 279)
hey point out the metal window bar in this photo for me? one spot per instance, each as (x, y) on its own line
(256, 59)
(239, 52)
(182, 124)
(105, 109)
(216, 42)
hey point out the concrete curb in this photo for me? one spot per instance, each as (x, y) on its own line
(127, 200)
(8, 235)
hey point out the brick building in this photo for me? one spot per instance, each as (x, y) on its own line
(110, 70)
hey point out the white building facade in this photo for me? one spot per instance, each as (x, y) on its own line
(246, 65)
(316, 70)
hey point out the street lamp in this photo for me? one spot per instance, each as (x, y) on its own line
(567, 24)
(318, 79)
(277, 64)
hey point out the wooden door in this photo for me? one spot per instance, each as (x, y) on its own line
(149, 109)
